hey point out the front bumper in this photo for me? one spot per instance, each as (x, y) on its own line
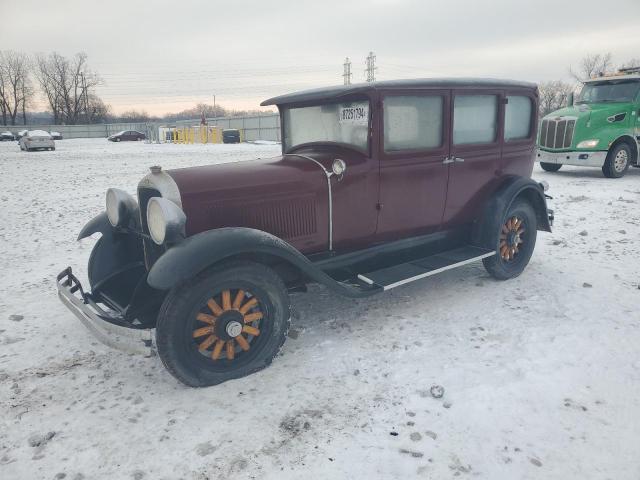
(106, 325)
(579, 159)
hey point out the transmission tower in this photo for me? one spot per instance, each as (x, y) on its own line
(371, 67)
(347, 71)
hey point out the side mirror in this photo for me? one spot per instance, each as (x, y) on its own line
(338, 167)
(570, 100)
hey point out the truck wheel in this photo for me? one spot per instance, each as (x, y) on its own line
(515, 241)
(617, 162)
(550, 167)
(224, 323)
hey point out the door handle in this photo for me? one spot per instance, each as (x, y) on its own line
(457, 159)
(448, 160)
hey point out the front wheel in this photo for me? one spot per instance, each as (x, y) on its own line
(514, 241)
(225, 323)
(550, 167)
(617, 162)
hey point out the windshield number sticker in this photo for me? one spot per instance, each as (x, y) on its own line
(358, 114)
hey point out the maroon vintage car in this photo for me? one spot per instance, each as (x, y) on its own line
(378, 185)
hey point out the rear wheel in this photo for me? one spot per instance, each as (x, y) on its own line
(224, 323)
(617, 162)
(550, 167)
(514, 241)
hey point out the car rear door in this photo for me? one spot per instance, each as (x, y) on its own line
(414, 147)
(475, 149)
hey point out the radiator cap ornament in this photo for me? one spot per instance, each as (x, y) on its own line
(156, 169)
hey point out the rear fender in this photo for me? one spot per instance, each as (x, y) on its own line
(493, 214)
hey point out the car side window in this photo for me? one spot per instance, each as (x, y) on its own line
(475, 119)
(412, 122)
(517, 118)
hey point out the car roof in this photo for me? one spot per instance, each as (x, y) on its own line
(38, 133)
(338, 91)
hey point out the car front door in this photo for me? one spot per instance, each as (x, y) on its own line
(475, 148)
(414, 148)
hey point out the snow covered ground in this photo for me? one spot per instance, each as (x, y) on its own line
(541, 374)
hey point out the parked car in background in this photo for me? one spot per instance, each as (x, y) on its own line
(127, 136)
(600, 129)
(378, 185)
(21, 134)
(231, 135)
(37, 140)
(6, 136)
(56, 135)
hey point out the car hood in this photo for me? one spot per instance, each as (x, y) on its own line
(586, 111)
(284, 195)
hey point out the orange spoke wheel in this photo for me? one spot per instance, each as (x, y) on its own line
(228, 325)
(511, 239)
(226, 322)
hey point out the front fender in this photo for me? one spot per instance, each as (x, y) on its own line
(196, 253)
(99, 223)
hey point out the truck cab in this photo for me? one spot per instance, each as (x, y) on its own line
(600, 129)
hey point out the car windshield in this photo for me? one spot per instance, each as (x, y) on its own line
(119, 133)
(344, 122)
(619, 91)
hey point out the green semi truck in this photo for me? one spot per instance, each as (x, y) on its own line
(601, 128)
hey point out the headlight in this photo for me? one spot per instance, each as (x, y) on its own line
(166, 221)
(121, 207)
(588, 143)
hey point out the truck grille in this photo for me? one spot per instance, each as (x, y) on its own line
(557, 132)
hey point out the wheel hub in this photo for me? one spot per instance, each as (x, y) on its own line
(229, 324)
(232, 321)
(511, 238)
(621, 160)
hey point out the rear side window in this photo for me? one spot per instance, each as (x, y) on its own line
(412, 122)
(475, 119)
(517, 118)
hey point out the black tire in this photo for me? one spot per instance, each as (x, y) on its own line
(618, 161)
(177, 324)
(550, 167)
(503, 268)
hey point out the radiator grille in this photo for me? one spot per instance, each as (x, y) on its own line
(283, 218)
(557, 132)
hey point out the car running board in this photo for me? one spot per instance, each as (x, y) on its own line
(391, 277)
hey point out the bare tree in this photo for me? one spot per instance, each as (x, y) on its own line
(553, 95)
(633, 63)
(66, 84)
(15, 85)
(592, 65)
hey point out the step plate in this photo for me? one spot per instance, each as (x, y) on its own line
(392, 277)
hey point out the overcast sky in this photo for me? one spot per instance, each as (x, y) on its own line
(164, 56)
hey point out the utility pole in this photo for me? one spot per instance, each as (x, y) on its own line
(214, 107)
(84, 93)
(347, 71)
(371, 67)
